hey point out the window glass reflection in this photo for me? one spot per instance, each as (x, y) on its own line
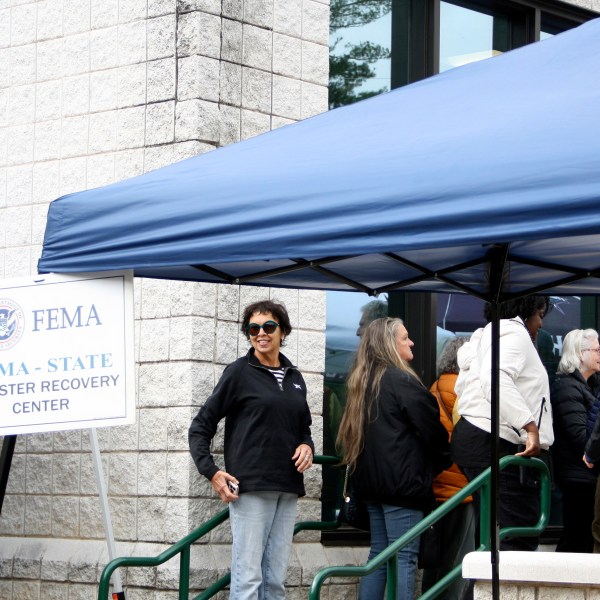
(359, 50)
(465, 36)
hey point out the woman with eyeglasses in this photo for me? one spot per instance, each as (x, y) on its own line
(575, 408)
(267, 448)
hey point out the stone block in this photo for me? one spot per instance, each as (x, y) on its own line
(312, 309)
(55, 591)
(314, 99)
(12, 519)
(160, 123)
(26, 590)
(286, 96)
(161, 76)
(256, 90)
(198, 78)
(231, 41)
(152, 474)
(67, 441)
(153, 429)
(4, 27)
(123, 474)
(75, 95)
(132, 10)
(189, 339)
(39, 474)
(16, 476)
(155, 298)
(90, 517)
(257, 47)
(102, 132)
(197, 120)
(130, 125)
(48, 98)
(315, 22)
(176, 519)
(18, 226)
(82, 591)
(22, 65)
(74, 136)
(178, 472)
(6, 589)
(230, 129)
(20, 140)
(49, 19)
(38, 515)
(100, 170)
(132, 83)
(124, 517)
(76, 16)
(207, 6)
(231, 86)
(154, 340)
(72, 175)
(153, 385)
(23, 24)
(190, 298)
(228, 302)
(315, 63)
(157, 156)
(65, 516)
(190, 383)
(226, 348)
(89, 485)
(104, 13)
(124, 437)
(259, 12)
(178, 422)
(132, 42)
(161, 36)
(83, 567)
(18, 262)
(233, 9)
(129, 164)
(66, 473)
(199, 33)
(254, 123)
(104, 48)
(46, 146)
(21, 102)
(156, 8)
(103, 90)
(76, 54)
(314, 384)
(151, 519)
(287, 55)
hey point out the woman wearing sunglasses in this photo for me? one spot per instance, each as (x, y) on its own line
(267, 448)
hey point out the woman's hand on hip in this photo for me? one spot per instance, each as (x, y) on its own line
(532, 445)
(220, 482)
(303, 457)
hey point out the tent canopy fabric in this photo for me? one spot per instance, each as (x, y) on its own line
(407, 190)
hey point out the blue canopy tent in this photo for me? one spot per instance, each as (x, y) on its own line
(483, 180)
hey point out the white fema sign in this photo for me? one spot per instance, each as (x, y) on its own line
(66, 352)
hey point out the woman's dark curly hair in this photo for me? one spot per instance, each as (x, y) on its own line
(263, 307)
(521, 307)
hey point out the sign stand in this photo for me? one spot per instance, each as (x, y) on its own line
(118, 593)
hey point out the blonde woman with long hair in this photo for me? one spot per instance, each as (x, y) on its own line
(392, 438)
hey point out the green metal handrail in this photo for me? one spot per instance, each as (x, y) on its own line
(182, 547)
(388, 556)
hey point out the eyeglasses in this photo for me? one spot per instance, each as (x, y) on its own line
(268, 327)
(592, 349)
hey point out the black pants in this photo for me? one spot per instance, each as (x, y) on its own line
(519, 505)
(577, 514)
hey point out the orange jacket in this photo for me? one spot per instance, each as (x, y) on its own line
(450, 481)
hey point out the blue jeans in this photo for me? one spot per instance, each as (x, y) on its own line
(388, 523)
(262, 525)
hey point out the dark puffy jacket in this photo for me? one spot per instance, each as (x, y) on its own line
(405, 445)
(572, 400)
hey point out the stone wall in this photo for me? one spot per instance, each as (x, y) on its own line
(92, 92)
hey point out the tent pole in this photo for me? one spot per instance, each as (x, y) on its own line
(498, 256)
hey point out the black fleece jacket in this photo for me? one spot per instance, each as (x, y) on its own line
(572, 399)
(405, 445)
(264, 425)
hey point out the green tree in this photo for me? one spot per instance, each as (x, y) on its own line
(349, 69)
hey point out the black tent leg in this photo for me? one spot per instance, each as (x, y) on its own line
(8, 449)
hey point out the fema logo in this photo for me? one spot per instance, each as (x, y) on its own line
(12, 323)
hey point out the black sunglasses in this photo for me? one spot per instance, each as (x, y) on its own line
(268, 327)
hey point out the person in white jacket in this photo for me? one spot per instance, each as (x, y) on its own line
(525, 410)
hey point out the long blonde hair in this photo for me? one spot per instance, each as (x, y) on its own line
(376, 352)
